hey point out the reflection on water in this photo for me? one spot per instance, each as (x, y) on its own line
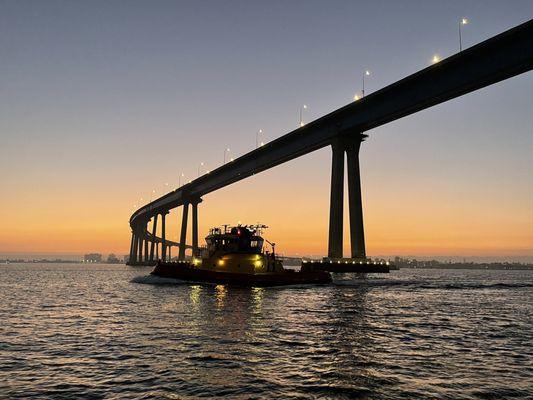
(94, 331)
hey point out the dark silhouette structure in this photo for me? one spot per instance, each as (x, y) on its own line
(496, 59)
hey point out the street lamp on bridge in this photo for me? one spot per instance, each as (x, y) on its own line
(260, 132)
(199, 166)
(226, 151)
(464, 21)
(179, 179)
(304, 107)
(366, 73)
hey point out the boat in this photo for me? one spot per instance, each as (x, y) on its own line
(236, 255)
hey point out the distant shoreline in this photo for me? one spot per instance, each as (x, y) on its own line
(401, 263)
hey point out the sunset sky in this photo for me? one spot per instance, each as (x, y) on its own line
(102, 102)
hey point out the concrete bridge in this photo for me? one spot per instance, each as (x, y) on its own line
(496, 59)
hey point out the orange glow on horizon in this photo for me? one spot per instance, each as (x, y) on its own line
(294, 206)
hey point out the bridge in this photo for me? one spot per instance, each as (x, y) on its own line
(498, 58)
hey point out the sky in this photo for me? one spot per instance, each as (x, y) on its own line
(102, 102)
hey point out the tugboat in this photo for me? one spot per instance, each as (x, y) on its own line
(235, 255)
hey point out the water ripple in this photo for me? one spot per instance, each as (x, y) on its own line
(73, 331)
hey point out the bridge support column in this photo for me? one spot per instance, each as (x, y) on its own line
(131, 247)
(183, 236)
(154, 231)
(146, 255)
(357, 231)
(157, 251)
(336, 200)
(163, 238)
(140, 248)
(133, 254)
(195, 226)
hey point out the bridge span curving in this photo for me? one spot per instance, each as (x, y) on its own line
(498, 58)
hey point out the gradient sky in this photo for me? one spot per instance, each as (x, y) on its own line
(101, 102)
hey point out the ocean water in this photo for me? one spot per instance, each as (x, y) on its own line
(115, 332)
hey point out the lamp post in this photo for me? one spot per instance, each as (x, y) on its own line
(366, 73)
(304, 107)
(226, 151)
(179, 179)
(260, 132)
(464, 21)
(199, 166)
(151, 194)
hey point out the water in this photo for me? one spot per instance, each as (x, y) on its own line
(102, 331)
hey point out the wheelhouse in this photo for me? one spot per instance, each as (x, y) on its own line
(239, 239)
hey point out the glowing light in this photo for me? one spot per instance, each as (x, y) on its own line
(435, 59)
(304, 107)
(367, 73)
(356, 97)
(221, 262)
(464, 21)
(258, 264)
(262, 144)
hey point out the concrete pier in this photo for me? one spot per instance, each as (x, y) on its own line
(349, 144)
(336, 199)
(355, 202)
(183, 236)
(154, 235)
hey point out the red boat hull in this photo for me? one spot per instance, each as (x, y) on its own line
(185, 271)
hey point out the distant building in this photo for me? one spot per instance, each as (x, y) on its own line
(112, 259)
(92, 258)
